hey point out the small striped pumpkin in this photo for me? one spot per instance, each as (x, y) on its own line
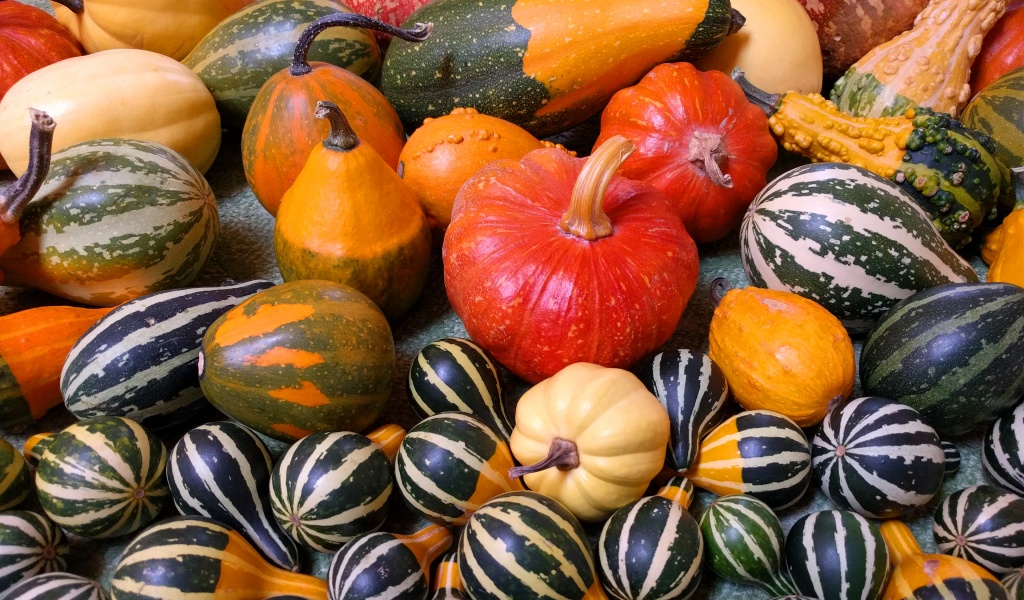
(387, 565)
(14, 476)
(1002, 451)
(693, 390)
(447, 584)
(1012, 582)
(29, 544)
(221, 470)
(450, 464)
(952, 457)
(455, 374)
(56, 586)
(837, 555)
(983, 524)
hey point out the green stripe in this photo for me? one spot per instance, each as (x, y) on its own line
(863, 95)
(15, 413)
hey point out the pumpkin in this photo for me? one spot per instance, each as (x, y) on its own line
(387, 565)
(349, 218)
(280, 130)
(698, 140)
(392, 12)
(576, 432)
(76, 93)
(553, 260)
(1002, 51)
(14, 476)
(782, 352)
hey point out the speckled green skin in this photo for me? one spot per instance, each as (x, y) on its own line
(15, 413)
(863, 95)
(14, 480)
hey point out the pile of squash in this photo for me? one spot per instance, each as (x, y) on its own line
(560, 444)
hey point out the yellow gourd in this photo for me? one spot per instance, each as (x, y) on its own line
(1004, 246)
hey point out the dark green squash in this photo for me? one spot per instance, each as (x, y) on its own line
(29, 544)
(837, 555)
(982, 524)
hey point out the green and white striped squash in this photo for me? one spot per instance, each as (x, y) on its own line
(56, 586)
(329, 488)
(846, 238)
(877, 457)
(952, 457)
(140, 360)
(386, 565)
(1002, 451)
(102, 477)
(837, 555)
(114, 219)
(983, 524)
(14, 476)
(937, 343)
(455, 374)
(998, 111)
(743, 543)
(526, 545)
(1012, 582)
(30, 544)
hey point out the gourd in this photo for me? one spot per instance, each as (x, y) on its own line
(575, 432)
(349, 218)
(1007, 265)
(56, 586)
(781, 352)
(1012, 583)
(29, 544)
(280, 129)
(998, 111)
(928, 66)
(627, 260)
(949, 170)
(387, 565)
(14, 476)
(981, 524)
(1001, 52)
(299, 358)
(15, 196)
(76, 93)
(698, 140)
(952, 457)
(1002, 454)
(447, 582)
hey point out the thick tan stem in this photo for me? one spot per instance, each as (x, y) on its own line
(707, 150)
(586, 217)
(40, 144)
(562, 455)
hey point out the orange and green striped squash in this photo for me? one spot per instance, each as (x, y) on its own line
(300, 358)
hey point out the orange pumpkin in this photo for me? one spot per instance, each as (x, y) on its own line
(14, 198)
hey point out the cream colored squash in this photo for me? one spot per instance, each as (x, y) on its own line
(117, 93)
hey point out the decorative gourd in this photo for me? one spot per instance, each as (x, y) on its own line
(1012, 583)
(949, 170)
(30, 39)
(349, 218)
(76, 92)
(878, 458)
(624, 264)
(920, 575)
(928, 66)
(29, 544)
(247, 48)
(759, 453)
(837, 555)
(140, 361)
(952, 458)
(454, 374)
(280, 130)
(1002, 51)
(56, 586)
(331, 487)
(378, 565)
(15, 196)
(221, 470)
(576, 434)
(698, 140)
(102, 477)
(500, 557)
(998, 111)
(1002, 453)
(163, 562)
(447, 582)
(14, 476)
(781, 352)
(693, 390)
(1008, 263)
(809, 230)
(937, 343)
(982, 524)
(299, 358)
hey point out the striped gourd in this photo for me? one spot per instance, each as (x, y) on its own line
(677, 489)
(934, 345)
(387, 565)
(1012, 582)
(330, 487)
(201, 559)
(140, 360)
(114, 219)
(29, 544)
(221, 470)
(998, 110)
(102, 477)
(952, 457)
(454, 374)
(877, 457)
(693, 390)
(447, 582)
(760, 453)
(14, 476)
(837, 555)
(450, 464)
(983, 524)
(743, 542)
(56, 586)
(846, 238)
(526, 545)
(1002, 451)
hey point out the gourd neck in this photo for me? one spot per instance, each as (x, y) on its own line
(708, 152)
(447, 576)
(720, 286)
(562, 455)
(586, 217)
(342, 138)
(35, 446)
(769, 103)
(679, 490)
(900, 541)
(40, 144)
(427, 544)
(389, 439)
(300, 58)
(75, 6)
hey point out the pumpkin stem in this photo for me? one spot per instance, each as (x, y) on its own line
(769, 103)
(300, 60)
(74, 6)
(562, 455)
(738, 21)
(585, 217)
(719, 287)
(342, 137)
(708, 150)
(40, 144)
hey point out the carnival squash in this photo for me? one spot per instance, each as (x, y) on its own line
(1003, 50)
(387, 565)
(14, 476)
(30, 544)
(998, 111)
(553, 260)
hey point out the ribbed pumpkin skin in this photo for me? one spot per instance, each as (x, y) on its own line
(982, 524)
(29, 544)
(301, 357)
(1002, 453)
(1002, 51)
(837, 555)
(998, 111)
(30, 39)
(56, 586)
(14, 476)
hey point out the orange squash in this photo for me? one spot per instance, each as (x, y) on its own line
(14, 198)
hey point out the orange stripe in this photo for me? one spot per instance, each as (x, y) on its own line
(245, 574)
(389, 439)
(713, 449)
(239, 326)
(448, 576)
(279, 356)
(291, 430)
(427, 544)
(308, 395)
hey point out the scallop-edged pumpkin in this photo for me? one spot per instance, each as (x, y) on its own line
(1002, 451)
(837, 555)
(982, 524)
(30, 39)
(56, 586)
(30, 544)
(387, 565)
(14, 476)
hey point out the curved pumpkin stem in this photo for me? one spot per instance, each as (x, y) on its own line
(586, 217)
(40, 144)
(75, 6)
(769, 103)
(300, 61)
(562, 455)
(708, 150)
(342, 138)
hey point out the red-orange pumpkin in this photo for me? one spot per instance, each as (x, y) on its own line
(1003, 50)
(698, 140)
(553, 260)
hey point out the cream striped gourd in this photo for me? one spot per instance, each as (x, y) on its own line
(952, 457)
(30, 544)
(387, 565)
(140, 360)
(1002, 451)
(877, 457)
(56, 586)
(846, 238)
(998, 112)
(983, 524)
(837, 555)
(14, 476)
(221, 470)
(1012, 582)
